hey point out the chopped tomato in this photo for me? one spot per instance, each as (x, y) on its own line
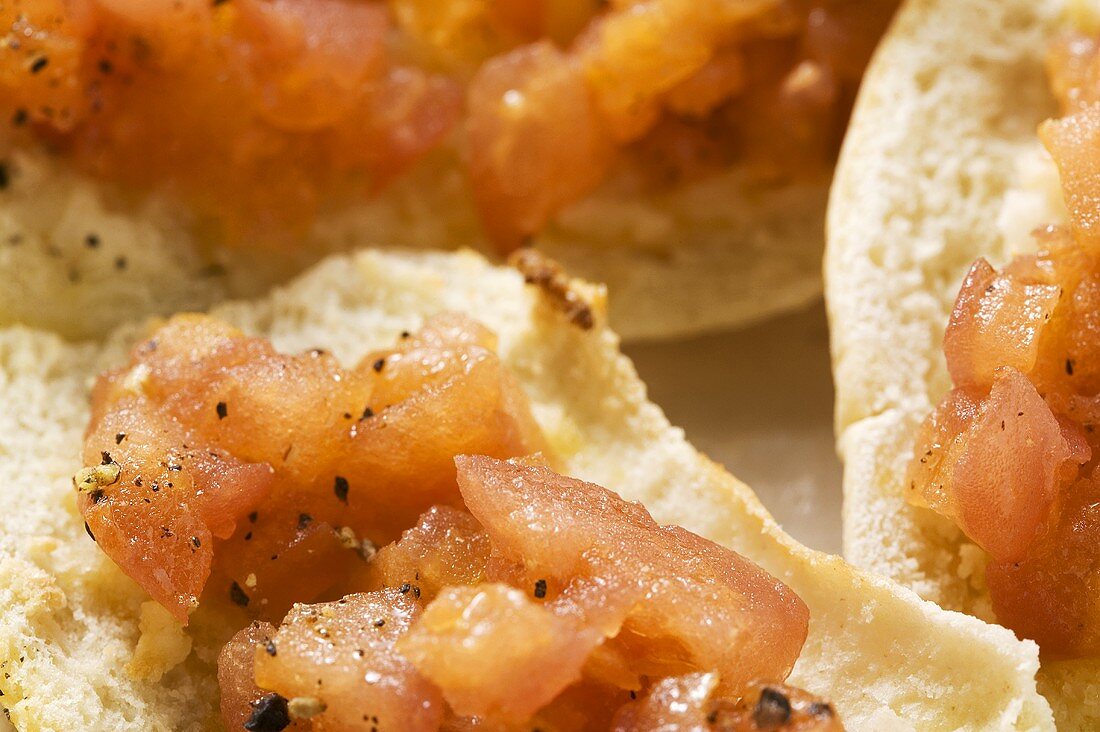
(221, 454)
(1009, 454)
(995, 467)
(1050, 595)
(494, 652)
(447, 547)
(205, 100)
(996, 322)
(536, 140)
(551, 606)
(682, 602)
(259, 114)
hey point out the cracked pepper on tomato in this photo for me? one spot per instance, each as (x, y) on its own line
(324, 100)
(399, 572)
(1011, 452)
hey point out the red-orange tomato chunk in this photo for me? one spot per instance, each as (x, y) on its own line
(675, 601)
(553, 605)
(211, 454)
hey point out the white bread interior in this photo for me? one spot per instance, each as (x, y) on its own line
(948, 108)
(69, 619)
(718, 252)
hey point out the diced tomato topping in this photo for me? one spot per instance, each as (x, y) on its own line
(495, 652)
(1009, 453)
(704, 606)
(998, 468)
(259, 114)
(554, 605)
(224, 455)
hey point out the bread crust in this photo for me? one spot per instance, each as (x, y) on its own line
(950, 103)
(69, 618)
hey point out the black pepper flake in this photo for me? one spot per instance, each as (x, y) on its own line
(367, 413)
(820, 709)
(341, 489)
(96, 496)
(416, 591)
(195, 542)
(304, 520)
(137, 481)
(404, 589)
(405, 334)
(269, 647)
(540, 588)
(270, 713)
(91, 241)
(105, 66)
(89, 530)
(39, 63)
(773, 709)
(237, 595)
(379, 365)
(19, 118)
(379, 623)
(222, 409)
(248, 536)
(120, 263)
(105, 458)
(633, 694)
(5, 178)
(119, 437)
(1069, 366)
(253, 516)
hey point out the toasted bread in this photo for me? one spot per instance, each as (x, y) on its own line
(79, 652)
(947, 113)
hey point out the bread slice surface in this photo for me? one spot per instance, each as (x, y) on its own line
(70, 621)
(948, 111)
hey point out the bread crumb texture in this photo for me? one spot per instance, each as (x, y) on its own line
(80, 646)
(942, 143)
(78, 256)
